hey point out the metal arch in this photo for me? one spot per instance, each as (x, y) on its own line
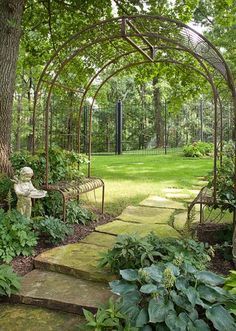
(77, 35)
(114, 60)
(188, 45)
(214, 90)
(62, 67)
(86, 89)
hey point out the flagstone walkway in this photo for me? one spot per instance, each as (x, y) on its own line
(67, 278)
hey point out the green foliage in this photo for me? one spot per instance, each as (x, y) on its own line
(225, 179)
(53, 229)
(64, 165)
(198, 149)
(175, 297)
(77, 214)
(230, 285)
(109, 318)
(16, 235)
(9, 281)
(135, 252)
(5, 186)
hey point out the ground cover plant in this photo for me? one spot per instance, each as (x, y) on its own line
(198, 149)
(164, 285)
(132, 251)
(9, 281)
(16, 235)
(52, 229)
(174, 296)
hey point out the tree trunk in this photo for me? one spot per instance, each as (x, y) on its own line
(10, 32)
(158, 113)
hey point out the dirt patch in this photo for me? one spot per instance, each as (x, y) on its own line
(24, 264)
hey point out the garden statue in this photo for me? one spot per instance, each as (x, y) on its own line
(25, 191)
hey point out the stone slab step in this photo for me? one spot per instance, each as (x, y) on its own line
(100, 239)
(79, 260)
(119, 227)
(57, 291)
(146, 215)
(160, 202)
(29, 318)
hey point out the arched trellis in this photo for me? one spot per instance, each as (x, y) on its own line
(153, 32)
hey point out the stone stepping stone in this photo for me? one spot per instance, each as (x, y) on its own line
(29, 318)
(119, 227)
(172, 190)
(79, 260)
(181, 219)
(145, 215)
(180, 196)
(160, 202)
(63, 292)
(100, 239)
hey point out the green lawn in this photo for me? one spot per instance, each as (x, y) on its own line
(131, 178)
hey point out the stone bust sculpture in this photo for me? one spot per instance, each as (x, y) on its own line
(25, 191)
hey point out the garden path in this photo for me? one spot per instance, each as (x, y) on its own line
(67, 278)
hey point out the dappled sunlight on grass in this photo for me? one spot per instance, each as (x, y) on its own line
(131, 178)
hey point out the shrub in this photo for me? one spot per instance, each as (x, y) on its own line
(53, 229)
(64, 165)
(9, 281)
(174, 296)
(225, 180)
(198, 149)
(77, 214)
(16, 235)
(135, 252)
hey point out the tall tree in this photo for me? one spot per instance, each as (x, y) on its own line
(10, 32)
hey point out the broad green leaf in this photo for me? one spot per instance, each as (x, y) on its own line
(142, 318)
(121, 287)
(129, 274)
(158, 308)
(148, 288)
(210, 278)
(154, 272)
(221, 318)
(192, 295)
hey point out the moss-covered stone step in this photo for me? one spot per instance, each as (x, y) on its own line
(63, 292)
(146, 215)
(160, 202)
(100, 239)
(79, 260)
(119, 227)
(178, 196)
(29, 318)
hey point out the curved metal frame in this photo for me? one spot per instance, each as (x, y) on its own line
(202, 50)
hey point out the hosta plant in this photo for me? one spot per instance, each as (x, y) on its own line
(174, 296)
(9, 281)
(53, 229)
(131, 251)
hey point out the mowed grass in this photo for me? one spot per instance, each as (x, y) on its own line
(131, 178)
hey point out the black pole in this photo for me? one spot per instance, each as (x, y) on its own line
(165, 128)
(119, 127)
(201, 120)
(85, 129)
